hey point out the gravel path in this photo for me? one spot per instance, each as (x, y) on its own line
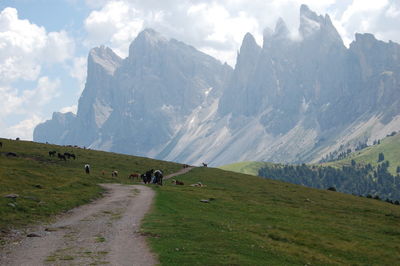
(180, 172)
(103, 232)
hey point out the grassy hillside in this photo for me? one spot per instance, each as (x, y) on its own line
(389, 146)
(247, 221)
(253, 221)
(47, 186)
(249, 168)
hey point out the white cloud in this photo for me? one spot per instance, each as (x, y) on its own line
(29, 104)
(45, 91)
(117, 23)
(23, 129)
(24, 47)
(79, 71)
(29, 100)
(219, 26)
(72, 109)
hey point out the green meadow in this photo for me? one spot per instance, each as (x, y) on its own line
(48, 186)
(389, 146)
(249, 168)
(254, 221)
(246, 220)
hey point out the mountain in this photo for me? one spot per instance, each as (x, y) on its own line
(297, 100)
(289, 100)
(135, 105)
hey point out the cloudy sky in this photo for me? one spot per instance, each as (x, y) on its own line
(44, 43)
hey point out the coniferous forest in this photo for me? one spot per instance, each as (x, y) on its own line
(363, 180)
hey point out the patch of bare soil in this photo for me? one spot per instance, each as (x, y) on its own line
(102, 232)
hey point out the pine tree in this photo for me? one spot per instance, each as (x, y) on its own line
(381, 157)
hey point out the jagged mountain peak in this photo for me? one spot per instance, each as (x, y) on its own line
(151, 36)
(281, 30)
(306, 12)
(147, 40)
(291, 102)
(249, 43)
(105, 58)
(364, 37)
(267, 36)
(312, 24)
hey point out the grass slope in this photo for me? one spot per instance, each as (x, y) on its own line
(389, 146)
(47, 186)
(253, 221)
(249, 168)
(250, 221)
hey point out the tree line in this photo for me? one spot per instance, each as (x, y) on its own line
(363, 180)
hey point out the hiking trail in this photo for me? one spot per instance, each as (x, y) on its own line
(105, 231)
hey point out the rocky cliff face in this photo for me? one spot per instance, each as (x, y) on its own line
(136, 105)
(287, 101)
(297, 100)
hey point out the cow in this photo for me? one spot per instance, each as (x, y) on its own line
(134, 175)
(61, 156)
(1, 144)
(148, 176)
(114, 173)
(87, 168)
(158, 177)
(11, 154)
(52, 153)
(177, 182)
(204, 164)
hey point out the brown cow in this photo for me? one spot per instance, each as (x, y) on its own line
(134, 175)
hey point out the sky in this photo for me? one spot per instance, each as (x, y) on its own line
(44, 43)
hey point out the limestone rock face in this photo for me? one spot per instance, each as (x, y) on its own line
(135, 105)
(297, 100)
(289, 100)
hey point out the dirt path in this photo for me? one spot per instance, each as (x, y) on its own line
(102, 232)
(180, 172)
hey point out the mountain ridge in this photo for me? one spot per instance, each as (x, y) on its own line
(285, 101)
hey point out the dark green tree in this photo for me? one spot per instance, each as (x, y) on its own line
(381, 157)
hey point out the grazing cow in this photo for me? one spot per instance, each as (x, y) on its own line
(158, 177)
(204, 164)
(177, 182)
(67, 155)
(61, 156)
(52, 153)
(114, 173)
(143, 177)
(11, 154)
(148, 176)
(72, 155)
(87, 168)
(134, 175)
(186, 166)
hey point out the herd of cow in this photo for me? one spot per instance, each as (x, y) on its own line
(62, 156)
(149, 177)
